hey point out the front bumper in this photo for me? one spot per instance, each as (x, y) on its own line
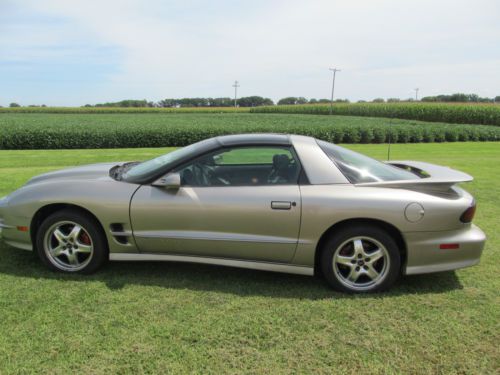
(15, 238)
(425, 256)
(3, 227)
(8, 229)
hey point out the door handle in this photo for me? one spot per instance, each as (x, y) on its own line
(281, 205)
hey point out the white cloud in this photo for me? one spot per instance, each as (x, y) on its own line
(278, 48)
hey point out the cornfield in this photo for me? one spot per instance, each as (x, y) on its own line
(485, 114)
(85, 131)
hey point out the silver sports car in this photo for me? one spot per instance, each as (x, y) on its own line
(271, 202)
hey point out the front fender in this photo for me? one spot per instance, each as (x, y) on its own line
(108, 200)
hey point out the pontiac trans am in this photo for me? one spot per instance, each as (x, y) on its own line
(284, 203)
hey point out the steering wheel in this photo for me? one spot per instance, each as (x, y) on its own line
(201, 175)
(205, 175)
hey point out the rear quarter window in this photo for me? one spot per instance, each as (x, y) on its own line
(358, 168)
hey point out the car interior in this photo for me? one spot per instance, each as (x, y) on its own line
(211, 170)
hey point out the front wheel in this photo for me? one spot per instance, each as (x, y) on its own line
(361, 259)
(70, 241)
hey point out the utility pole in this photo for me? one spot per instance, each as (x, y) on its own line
(236, 85)
(334, 70)
(416, 93)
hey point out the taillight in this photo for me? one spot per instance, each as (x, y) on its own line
(468, 214)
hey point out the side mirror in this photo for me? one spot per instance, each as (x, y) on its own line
(170, 181)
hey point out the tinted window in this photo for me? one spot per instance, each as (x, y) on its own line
(359, 168)
(242, 166)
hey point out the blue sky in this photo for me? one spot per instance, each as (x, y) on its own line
(61, 52)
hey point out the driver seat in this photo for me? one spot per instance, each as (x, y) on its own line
(187, 177)
(279, 172)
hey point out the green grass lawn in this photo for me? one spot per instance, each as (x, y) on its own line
(160, 317)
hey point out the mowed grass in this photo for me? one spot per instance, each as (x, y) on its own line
(181, 318)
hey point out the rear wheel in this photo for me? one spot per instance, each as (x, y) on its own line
(361, 259)
(72, 242)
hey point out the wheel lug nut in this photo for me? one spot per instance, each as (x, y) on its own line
(357, 268)
(365, 267)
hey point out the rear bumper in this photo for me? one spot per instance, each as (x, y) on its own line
(425, 256)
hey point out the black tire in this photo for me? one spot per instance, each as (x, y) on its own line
(343, 244)
(93, 236)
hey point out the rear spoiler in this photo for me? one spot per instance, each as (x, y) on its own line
(431, 176)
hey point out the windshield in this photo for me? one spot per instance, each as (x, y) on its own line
(151, 167)
(359, 168)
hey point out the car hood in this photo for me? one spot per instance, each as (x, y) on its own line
(84, 172)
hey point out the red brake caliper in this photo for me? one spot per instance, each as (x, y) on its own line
(85, 239)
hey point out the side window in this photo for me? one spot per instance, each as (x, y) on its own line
(242, 166)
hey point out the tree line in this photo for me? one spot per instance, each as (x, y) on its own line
(460, 98)
(256, 101)
(247, 101)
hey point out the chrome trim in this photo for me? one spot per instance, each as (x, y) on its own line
(5, 226)
(205, 236)
(261, 266)
(441, 267)
(125, 233)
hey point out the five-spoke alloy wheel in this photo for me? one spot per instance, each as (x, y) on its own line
(71, 241)
(68, 246)
(361, 259)
(361, 262)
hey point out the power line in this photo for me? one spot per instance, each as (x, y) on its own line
(236, 85)
(334, 70)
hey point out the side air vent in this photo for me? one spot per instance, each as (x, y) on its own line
(120, 234)
(116, 227)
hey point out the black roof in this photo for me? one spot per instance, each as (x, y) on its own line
(254, 139)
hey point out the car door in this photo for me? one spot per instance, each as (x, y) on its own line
(231, 204)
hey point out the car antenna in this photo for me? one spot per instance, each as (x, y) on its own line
(389, 148)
